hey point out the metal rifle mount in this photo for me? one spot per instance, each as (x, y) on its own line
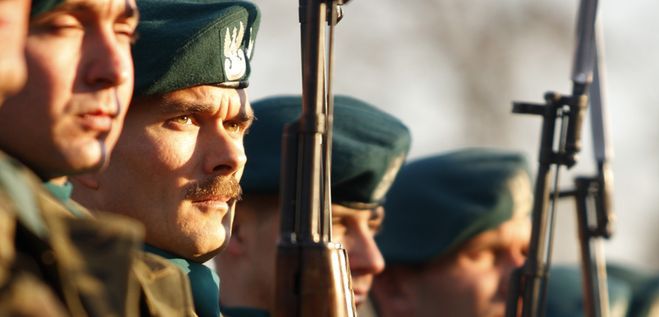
(529, 283)
(593, 197)
(313, 276)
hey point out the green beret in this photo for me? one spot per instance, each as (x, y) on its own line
(369, 146)
(189, 43)
(644, 286)
(565, 293)
(439, 202)
(43, 6)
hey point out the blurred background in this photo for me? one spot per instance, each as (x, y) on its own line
(450, 69)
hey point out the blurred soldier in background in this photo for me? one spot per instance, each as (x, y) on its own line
(178, 161)
(457, 225)
(369, 146)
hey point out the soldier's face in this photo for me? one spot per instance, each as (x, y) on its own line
(355, 229)
(474, 281)
(13, 29)
(70, 112)
(258, 226)
(176, 168)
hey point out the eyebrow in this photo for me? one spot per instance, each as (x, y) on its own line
(377, 213)
(182, 106)
(169, 107)
(495, 243)
(245, 117)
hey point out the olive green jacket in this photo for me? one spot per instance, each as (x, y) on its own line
(53, 263)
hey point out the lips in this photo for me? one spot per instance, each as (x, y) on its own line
(212, 203)
(360, 296)
(98, 122)
(95, 116)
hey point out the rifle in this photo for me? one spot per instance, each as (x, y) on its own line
(529, 283)
(313, 276)
(594, 208)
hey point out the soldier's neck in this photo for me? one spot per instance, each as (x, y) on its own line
(59, 180)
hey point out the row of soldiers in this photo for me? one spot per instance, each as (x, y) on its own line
(124, 132)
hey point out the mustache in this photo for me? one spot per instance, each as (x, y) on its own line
(216, 186)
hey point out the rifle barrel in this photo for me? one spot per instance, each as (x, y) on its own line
(582, 71)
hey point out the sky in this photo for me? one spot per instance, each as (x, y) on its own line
(450, 69)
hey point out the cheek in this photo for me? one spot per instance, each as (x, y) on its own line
(148, 159)
(465, 282)
(172, 152)
(125, 90)
(51, 76)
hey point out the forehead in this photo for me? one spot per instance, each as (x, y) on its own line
(206, 98)
(515, 231)
(343, 211)
(126, 8)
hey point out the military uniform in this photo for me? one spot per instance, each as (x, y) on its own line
(187, 44)
(58, 260)
(565, 293)
(162, 288)
(369, 147)
(454, 197)
(21, 290)
(65, 255)
(437, 209)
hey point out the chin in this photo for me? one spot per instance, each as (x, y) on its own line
(87, 158)
(211, 248)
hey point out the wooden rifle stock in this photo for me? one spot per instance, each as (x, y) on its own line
(313, 280)
(313, 276)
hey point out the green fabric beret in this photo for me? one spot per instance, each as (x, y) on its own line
(644, 286)
(439, 202)
(43, 6)
(565, 293)
(369, 146)
(189, 43)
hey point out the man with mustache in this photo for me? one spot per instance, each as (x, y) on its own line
(65, 121)
(369, 146)
(457, 225)
(180, 156)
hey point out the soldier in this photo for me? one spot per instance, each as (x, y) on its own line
(65, 121)
(368, 149)
(79, 86)
(565, 293)
(178, 161)
(457, 225)
(21, 292)
(13, 29)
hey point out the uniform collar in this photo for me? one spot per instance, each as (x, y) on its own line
(205, 283)
(62, 192)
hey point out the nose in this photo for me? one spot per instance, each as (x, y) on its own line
(363, 252)
(513, 259)
(225, 154)
(108, 62)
